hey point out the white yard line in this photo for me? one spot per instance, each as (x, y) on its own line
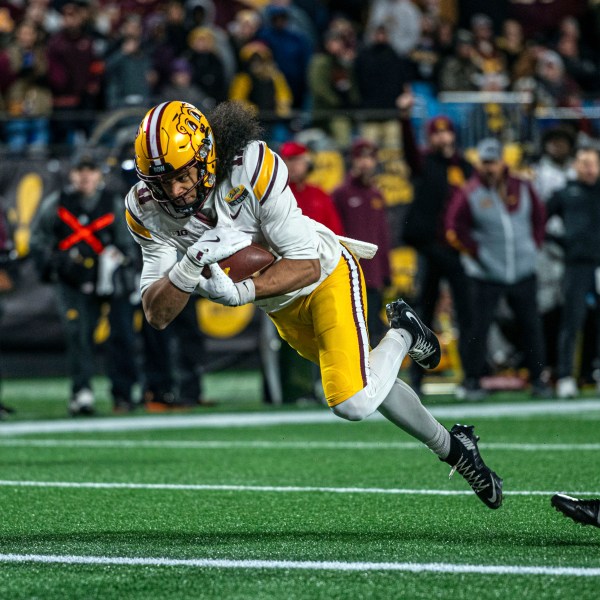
(99, 485)
(265, 419)
(212, 563)
(275, 445)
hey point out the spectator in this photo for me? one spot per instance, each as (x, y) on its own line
(486, 55)
(457, 73)
(580, 63)
(181, 86)
(382, 76)
(298, 19)
(555, 164)
(202, 13)
(175, 26)
(363, 212)
(550, 84)
(551, 173)
(511, 43)
(129, 75)
(6, 284)
(242, 31)
(426, 54)
(333, 86)
(160, 52)
(541, 18)
(46, 17)
(28, 98)
(402, 19)
(344, 27)
(312, 200)
(207, 68)
(291, 51)
(496, 221)
(436, 175)
(578, 204)
(445, 37)
(263, 87)
(74, 73)
(79, 241)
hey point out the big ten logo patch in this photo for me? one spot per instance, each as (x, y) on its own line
(28, 194)
(394, 178)
(328, 170)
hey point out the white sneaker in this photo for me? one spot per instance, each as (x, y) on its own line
(82, 403)
(566, 387)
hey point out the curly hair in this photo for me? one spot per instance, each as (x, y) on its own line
(234, 126)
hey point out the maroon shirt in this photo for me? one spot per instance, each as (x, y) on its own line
(72, 63)
(362, 210)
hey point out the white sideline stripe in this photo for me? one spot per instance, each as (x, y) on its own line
(303, 565)
(262, 444)
(267, 488)
(265, 419)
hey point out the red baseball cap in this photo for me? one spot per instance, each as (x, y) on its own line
(439, 123)
(291, 148)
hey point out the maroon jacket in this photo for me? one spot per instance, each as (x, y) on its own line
(74, 70)
(498, 233)
(317, 205)
(362, 210)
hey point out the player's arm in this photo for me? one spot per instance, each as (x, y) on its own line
(287, 231)
(287, 275)
(162, 302)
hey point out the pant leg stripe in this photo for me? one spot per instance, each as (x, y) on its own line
(358, 312)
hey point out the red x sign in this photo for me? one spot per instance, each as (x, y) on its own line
(81, 232)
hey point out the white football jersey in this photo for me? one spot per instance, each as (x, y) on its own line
(255, 199)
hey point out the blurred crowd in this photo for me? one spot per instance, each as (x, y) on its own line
(514, 251)
(63, 63)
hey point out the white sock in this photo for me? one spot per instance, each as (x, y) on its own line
(384, 363)
(403, 407)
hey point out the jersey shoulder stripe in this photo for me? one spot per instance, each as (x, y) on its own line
(136, 226)
(132, 214)
(266, 167)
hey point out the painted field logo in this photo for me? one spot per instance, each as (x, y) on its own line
(236, 195)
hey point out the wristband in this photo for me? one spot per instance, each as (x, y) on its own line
(246, 290)
(186, 274)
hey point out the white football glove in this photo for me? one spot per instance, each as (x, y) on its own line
(221, 289)
(214, 245)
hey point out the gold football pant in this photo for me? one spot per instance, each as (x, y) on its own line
(329, 328)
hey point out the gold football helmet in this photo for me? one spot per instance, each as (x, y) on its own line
(172, 138)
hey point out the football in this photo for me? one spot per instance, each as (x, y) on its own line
(248, 261)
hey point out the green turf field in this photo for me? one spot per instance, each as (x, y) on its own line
(289, 503)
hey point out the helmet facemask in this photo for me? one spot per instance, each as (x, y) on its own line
(178, 207)
(173, 138)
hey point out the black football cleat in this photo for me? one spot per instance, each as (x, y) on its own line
(425, 349)
(465, 458)
(586, 512)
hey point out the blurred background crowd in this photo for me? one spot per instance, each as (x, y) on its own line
(400, 122)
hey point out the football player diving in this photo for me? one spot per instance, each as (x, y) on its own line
(210, 187)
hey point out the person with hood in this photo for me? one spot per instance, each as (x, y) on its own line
(202, 13)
